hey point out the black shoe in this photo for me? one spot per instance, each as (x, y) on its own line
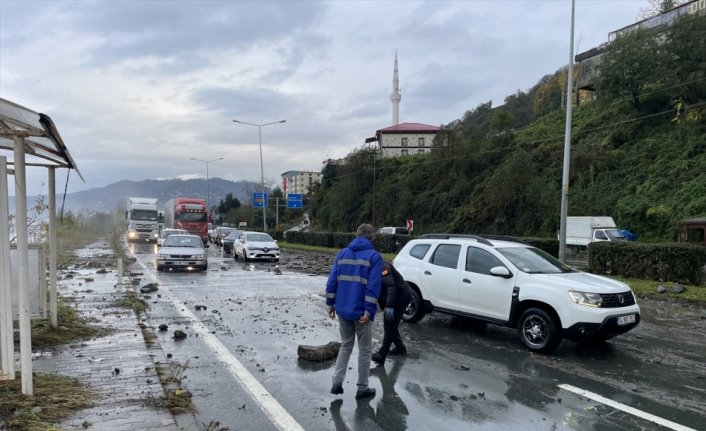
(398, 351)
(365, 393)
(337, 389)
(378, 358)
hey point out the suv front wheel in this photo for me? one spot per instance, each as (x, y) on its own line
(538, 331)
(415, 309)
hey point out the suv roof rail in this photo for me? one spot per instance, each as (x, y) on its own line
(478, 238)
(504, 238)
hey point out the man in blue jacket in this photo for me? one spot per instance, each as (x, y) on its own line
(352, 292)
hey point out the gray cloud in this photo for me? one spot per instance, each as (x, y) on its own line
(152, 83)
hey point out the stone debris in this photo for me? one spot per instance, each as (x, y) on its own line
(179, 335)
(163, 327)
(319, 353)
(150, 287)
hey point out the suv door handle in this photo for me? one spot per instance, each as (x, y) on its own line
(465, 280)
(427, 273)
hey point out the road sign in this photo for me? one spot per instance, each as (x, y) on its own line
(410, 225)
(294, 200)
(258, 201)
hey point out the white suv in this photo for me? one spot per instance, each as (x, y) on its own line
(504, 281)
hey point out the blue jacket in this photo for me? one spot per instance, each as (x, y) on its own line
(353, 285)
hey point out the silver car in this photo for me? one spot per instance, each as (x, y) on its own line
(167, 232)
(182, 252)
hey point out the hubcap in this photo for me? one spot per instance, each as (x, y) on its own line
(535, 330)
(411, 309)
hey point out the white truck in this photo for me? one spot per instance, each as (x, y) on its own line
(143, 219)
(581, 231)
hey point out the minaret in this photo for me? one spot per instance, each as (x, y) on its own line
(395, 97)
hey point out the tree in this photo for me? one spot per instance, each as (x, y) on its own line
(629, 64)
(228, 203)
(685, 52)
(656, 7)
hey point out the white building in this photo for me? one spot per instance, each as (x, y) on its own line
(403, 139)
(299, 182)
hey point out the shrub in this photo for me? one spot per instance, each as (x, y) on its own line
(679, 262)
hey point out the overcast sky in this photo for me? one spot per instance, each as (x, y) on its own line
(137, 88)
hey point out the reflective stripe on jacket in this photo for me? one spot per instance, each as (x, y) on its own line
(353, 284)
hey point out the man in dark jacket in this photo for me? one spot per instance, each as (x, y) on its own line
(394, 298)
(352, 291)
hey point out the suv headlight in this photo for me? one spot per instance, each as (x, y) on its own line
(586, 298)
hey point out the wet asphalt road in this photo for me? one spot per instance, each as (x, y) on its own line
(242, 366)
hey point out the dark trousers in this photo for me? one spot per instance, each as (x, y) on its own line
(392, 333)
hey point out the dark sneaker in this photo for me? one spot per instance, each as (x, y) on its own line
(398, 351)
(337, 389)
(365, 393)
(378, 358)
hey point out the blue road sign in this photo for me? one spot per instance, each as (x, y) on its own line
(294, 200)
(258, 201)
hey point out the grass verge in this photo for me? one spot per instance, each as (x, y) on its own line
(130, 300)
(71, 327)
(55, 398)
(648, 289)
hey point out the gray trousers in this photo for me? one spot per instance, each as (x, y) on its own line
(350, 329)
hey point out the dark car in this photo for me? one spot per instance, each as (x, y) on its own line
(221, 232)
(227, 242)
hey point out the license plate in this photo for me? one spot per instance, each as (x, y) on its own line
(626, 320)
(181, 263)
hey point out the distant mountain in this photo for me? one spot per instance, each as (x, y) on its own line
(112, 196)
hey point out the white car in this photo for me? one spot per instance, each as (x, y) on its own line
(182, 252)
(255, 245)
(166, 232)
(507, 282)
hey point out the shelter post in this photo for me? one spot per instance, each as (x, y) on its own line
(52, 249)
(23, 266)
(7, 343)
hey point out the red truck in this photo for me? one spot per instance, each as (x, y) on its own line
(189, 214)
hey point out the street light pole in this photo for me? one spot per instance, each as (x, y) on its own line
(208, 189)
(262, 170)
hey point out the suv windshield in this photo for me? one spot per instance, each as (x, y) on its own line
(533, 260)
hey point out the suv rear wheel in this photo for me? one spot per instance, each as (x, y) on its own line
(538, 331)
(415, 309)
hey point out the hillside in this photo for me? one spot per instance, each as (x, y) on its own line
(638, 153)
(112, 196)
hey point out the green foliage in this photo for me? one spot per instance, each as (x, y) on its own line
(229, 203)
(679, 262)
(499, 170)
(629, 65)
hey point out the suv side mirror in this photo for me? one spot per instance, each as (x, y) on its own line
(500, 271)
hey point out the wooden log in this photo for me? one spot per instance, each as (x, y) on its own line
(319, 353)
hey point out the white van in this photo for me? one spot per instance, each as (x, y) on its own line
(393, 231)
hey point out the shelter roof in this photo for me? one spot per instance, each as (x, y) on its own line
(43, 143)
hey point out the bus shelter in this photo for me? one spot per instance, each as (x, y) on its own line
(27, 138)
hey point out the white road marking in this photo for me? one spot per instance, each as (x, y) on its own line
(267, 403)
(619, 406)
